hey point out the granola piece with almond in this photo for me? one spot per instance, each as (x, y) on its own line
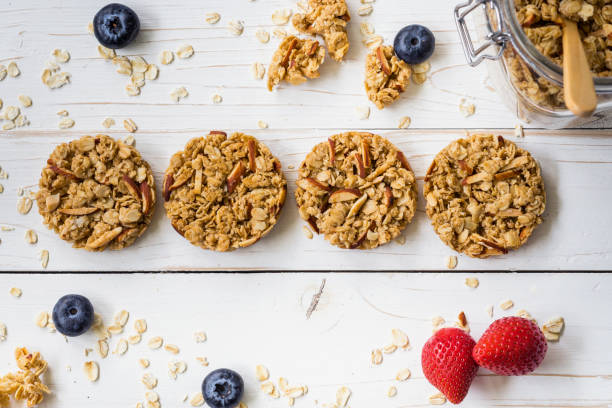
(295, 61)
(386, 76)
(26, 384)
(357, 189)
(329, 19)
(97, 193)
(224, 193)
(484, 195)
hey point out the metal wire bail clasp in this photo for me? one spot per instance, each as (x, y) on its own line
(493, 37)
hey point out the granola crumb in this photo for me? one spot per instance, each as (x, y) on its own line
(25, 384)
(467, 109)
(553, 328)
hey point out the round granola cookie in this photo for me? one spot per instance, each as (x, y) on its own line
(224, 193)
(357, 189)
(484, 195)
(97, 192)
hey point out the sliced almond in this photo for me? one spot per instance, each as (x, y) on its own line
(357, 205)
(234, 177)
(384, 64)
(332, 150)
(345, 194)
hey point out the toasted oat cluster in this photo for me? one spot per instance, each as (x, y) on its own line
(357, 189)
(295, 61)
(25, 385)
(542, 22)
(97, 192)
(327, 18)
(386, 76)
(484, 195)
(224, 193)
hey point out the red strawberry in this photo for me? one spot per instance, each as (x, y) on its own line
(447, 363)
(511, 346)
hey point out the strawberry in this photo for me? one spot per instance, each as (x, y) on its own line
(448, 364)
(511, 346)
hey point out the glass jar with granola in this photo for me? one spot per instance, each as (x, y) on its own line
(521, 40)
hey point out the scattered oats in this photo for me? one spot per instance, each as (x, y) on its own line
(525, 315)
(24, 205)
(140, 325)
(203, 361)
(307, 232)
(389, 348)
(1, 103)
(3, 72)
(87, 351)
(65, 123)
(108, 122)
(419, 79)
(139, 64)
(421, 68)
(186, 397)
(365, 10)
(281, 17)
(553, 328)
(466, 109)
(55, 81)
(376, 357)
(132, 90)
(121, 348)
(518, 131)
(236, 27)
(489, 310)
(1, 188)
(144, 363)
(106, 53)
(279, 33)
(155, 343)
(149, 380)
(102, 348)
(2, 332)
(400, 339)
(172, 348)
(403, 375)
(151, 396)
(199, 337)
(437, 322)
(51, 327)
(401, 240)
(392, 392)
(134, 339)
(179, 93)
(216, 98)
(366, 28)
(62, 113)
(261, 373)
(363, 112)
(506, 304)
(262, 125)
(166, 57)
(31, 237)
(258, 70)
(124, 66)
(129, 140)
(185, 51)
(13, 69)
(21, 121)
(16, 292)
(342, 396)
(61, 56)
(115, 329)
(437, 399)
(152, 72)
(5, 228)
(130, 126)
(92, 370)
(11, 112)
(122, 317)
(213, 18)
(404, 122)
(139, 405)
(242, 405)
(26, 101)
(472, 282)
(197, 400)
(373, 41)
(262, 35)
(90, 27)
(8, 125)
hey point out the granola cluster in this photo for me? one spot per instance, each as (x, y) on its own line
(97, 192)
(386, 76)
(224, 193)
(295, 61)
(25, 385)
(484, 195)
(329, 19)
(357, 189)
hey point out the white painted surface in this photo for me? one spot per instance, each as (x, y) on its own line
(260, 319)
(576, 163)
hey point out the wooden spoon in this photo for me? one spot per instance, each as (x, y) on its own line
(578, 85)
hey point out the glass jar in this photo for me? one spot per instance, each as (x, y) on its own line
(529, 83)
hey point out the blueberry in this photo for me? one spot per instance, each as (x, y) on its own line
(116, 25)
(73, 315)
(414, 44)
(223, 388)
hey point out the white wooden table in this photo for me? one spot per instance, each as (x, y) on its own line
(255, 319)
(576, 163)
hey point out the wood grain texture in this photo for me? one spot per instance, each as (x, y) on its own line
(355, 315)
(576, 163)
